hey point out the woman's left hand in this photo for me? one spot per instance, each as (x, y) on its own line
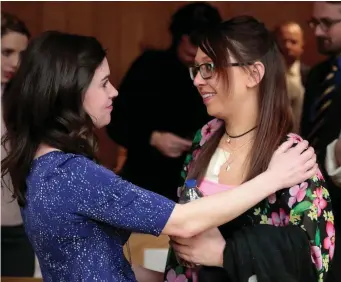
(206, 248)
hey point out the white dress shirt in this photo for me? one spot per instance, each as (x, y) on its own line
(333, 170)
(296, 92)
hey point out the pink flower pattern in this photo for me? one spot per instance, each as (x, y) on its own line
(192, 274)
(208, 130)
(172, 277)
(281, 219)
(297, 193)
(272, 198)
(319, 175)
(298, 205)
(319, 202)
(329, 242)
(316, 256)
(295, 137)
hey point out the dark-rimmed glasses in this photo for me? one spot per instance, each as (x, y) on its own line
(206, 70)
(325, 24)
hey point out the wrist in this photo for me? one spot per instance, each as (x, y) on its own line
(271, 182)
(154, 137)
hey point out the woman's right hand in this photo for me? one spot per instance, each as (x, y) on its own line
(292, 165)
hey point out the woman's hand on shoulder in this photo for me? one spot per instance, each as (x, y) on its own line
(291, 165)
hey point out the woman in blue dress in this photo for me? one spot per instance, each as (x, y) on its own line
(77, 214)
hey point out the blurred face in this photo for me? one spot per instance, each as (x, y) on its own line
(290, 42)
(12, 46)
(98, 98)
(221, 100)
(326, 22)
(186, 51)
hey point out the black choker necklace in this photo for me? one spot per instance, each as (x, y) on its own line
(237, 136)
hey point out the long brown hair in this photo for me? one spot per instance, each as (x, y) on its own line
(44, 103)
(248, 40)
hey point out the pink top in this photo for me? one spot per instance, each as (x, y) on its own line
(208, 187)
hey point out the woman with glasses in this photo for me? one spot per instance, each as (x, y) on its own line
(239, 73)
(77, 214)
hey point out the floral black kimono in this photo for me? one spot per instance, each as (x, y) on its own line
(307, 205)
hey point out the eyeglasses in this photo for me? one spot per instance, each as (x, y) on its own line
(207, 69)
(324, 23)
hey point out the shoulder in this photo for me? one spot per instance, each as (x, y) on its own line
(318, 71)
(206, 132)
(318, 177)
(316, 181)
(73, 167)
(200, 138)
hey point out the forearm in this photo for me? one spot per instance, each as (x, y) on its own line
(146, 275)
(212, 211)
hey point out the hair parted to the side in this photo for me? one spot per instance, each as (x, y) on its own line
(44, 103)
(12, 23)
(248, 40)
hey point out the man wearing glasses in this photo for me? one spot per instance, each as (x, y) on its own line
(321, 120)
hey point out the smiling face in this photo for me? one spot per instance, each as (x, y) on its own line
(99, 95)
(221, 97)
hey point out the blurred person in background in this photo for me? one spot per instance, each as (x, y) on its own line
(158, 109)
(321, 119)
(290, 40)
(17, 256)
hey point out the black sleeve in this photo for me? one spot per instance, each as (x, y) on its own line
(133, 117)
(309, 96)
(271, 253)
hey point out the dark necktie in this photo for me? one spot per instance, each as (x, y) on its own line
(322, 105)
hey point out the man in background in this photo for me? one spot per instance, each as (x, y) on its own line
(290, 40)
(158, 109)
(321, 119)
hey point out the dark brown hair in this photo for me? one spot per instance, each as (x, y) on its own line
(10, 23)
(44, 103)
(192, 17)
(248, 40)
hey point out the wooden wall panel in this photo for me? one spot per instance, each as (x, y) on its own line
(54, 16)
(80, 17)
(126, 28)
